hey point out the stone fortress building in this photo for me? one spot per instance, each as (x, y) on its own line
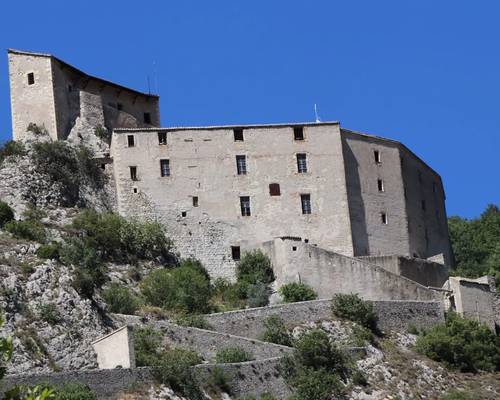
(308, 191)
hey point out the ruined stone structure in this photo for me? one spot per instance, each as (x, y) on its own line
(49, 92)
(221, 190)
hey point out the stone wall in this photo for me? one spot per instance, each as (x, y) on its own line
(425, 272)
(329, 273)
(392, 315)
(207, 342)
(104, 383)
(249, 378)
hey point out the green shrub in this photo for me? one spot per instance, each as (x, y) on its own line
(11, 148)
(359, 379)
(49, 251)
(28, 229)
(49, 313)
(228, 355)
(228, 296)
(6, 213)
(120, 299)
(102, 133)
(276, 331)
(193, 320)
(255, 267)
(258, 294)
(311, 384)
(174, 369)
(461, 344)
(297, 291)
(352, 307)
(219, 381)
(185, 288)
(147, 346)
(361, 336)
(459, 395)
(75, 391)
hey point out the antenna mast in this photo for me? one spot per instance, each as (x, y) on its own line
(316, 113)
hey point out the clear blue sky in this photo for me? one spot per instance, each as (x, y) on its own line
(424, 72)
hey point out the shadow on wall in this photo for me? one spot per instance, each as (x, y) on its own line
(356, 205)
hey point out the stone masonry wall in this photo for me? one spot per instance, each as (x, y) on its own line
(392, 315)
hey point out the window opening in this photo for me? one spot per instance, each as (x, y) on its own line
(376, 154)
(274, 189)
(195, 201)
(301, 163)
(162, 137)
(133, 173)
(236, 253)
(31, 78)
(380, 184)
(165, 167)
(183, 214)
(147, 118)
(298, 133)
(238, 135)
(383, 218)
(241, 165)
(306, 203)
(245, 206)
(130, 140)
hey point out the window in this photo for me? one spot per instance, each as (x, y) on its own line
(147, 118)
(245, 206)
(195, 201)
(135, 190)
(183, 214)
(31, 78)
(162, 137)
(423, 205)
(306, 203)
(130, 140)
(238, 134)
(383, 218)
(165, 167)
(103, 166)
(133, 173)
(119, 106)
(294, 248)
(376, 154)
(301, 163)
(241, 165)
(235, 253)
(274, 189)
(380, 185)
(298, 133)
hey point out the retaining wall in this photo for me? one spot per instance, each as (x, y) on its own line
(392, 315)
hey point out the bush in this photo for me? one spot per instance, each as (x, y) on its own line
(297, 291)
(352, 307)
(228, 296)
(276, 331)
(185, 288)
(194, 321)
(147, 346)
(258, 295)
(6, 214)
(11, 148)
(311, 384)
(461, 344)
(29, 229)
(120, 299)
(49, 251)
(174, 369)
(230, 355)
(219, 381)
(361, 336)
(255, 267)
(37, 130)
(49, 313)
(74, 391)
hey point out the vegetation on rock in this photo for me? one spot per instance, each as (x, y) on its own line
(229, 355)
(6, 213)
(276, 331)
(353, 308)
(11, 149)
(297, 291)
(120, 299)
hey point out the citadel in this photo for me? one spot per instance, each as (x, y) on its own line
(339, 210)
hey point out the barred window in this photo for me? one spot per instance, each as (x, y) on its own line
(376, 155)
(241, 165)
(245, 206)
(162, 137)
(301, 163)
(380, 184)
(130, 140)
(165, 167)
(306, 203)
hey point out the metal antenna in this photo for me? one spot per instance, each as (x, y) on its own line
(316, 113)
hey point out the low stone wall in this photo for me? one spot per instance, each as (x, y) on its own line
(104, 383)
(205, 342)
(392, 315)
(249, 378)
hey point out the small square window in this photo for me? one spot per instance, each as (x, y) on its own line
(298, 133)
(238, 135)
(130, 140)
(241, 165)
(380, 185)
(165, 167)
(133, 173)
(135, 190)
(236, 253)
(195, 201)
(183, 214)
(294, 248)
(31, 78)
(305, 200)
(301, 163)
(162, 138)
(274, 189)
(245, 206)
(306, 240)
(383, 218)
(103, 166)
(376, 155)
(147, 118)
